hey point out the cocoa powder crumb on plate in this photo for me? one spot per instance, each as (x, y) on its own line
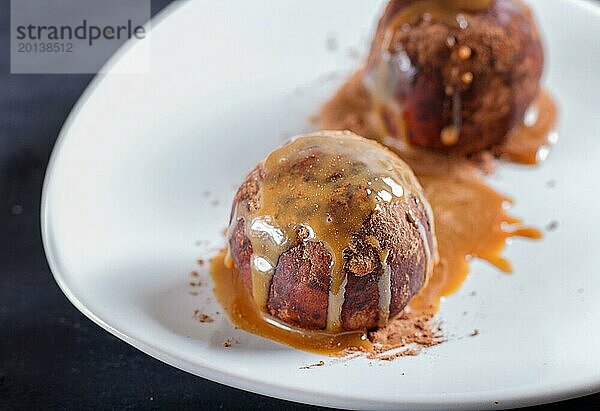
(405, 335)
(229, 342)
(318, 364)
(201, 317)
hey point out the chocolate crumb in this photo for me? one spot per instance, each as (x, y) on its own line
(229, 342)
(409, 352)
(474, 333)
(193, 293)
(405, 335)
(194, 273)
(201, 317)
(318, 364)
(552, 226)
(200, 262)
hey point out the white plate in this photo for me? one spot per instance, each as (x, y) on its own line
(135, 177)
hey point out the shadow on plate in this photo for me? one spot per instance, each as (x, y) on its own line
(174, 308)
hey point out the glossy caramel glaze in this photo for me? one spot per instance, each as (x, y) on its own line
(244, 313)
(323, 187)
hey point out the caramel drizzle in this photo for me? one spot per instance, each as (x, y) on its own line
(245, 314)
(393, 71)
(385, 289)
(300, 206)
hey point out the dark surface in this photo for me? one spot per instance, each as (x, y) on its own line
(51, 356)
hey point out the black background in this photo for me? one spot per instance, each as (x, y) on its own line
(51, 356)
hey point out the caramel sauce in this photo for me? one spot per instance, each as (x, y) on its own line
(471, 222)
(244, 313)
(300, 181)
(531, 140)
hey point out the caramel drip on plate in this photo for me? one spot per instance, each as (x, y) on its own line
(471, 222)
(323, 189)
(530, 141)
(243, 313)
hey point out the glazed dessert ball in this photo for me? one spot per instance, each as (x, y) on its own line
(331, 232)
(455, 75)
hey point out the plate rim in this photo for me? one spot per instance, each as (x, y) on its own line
(522, 396)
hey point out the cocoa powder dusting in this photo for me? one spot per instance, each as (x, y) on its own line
(405, 335)
(201, 317)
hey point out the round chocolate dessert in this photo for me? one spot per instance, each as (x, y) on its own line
(332, 232)
(455, 75)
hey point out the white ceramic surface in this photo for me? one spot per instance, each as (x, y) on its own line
(140, 183)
